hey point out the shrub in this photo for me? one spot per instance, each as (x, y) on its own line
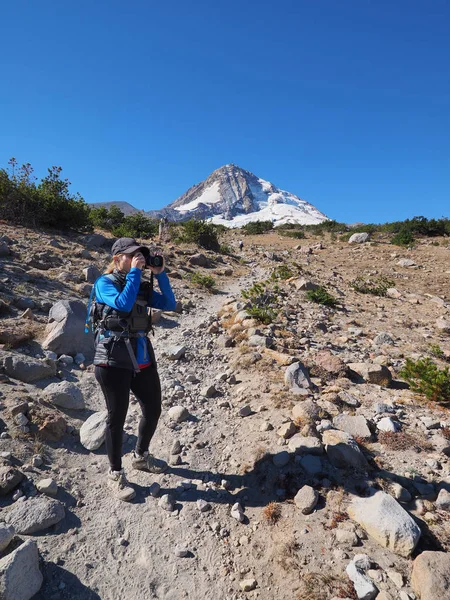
(226, 249)
(282, 272)
(403, 238)
(103, 218)
(136, 226)
(257, 227)
(48, 204)
(297, 235)
(425, 377)
(321, 296)
(200, 232)
(204, 281)
(264, 302)
(377, 286)
(272, 512)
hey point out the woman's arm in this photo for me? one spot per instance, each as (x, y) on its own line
(166, 299)
(107, 292)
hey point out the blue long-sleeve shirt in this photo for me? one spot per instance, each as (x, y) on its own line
(109, 293)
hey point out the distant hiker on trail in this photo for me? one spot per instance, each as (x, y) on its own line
(124, 359)
(241, 245)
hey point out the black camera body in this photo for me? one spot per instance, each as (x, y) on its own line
(154, 260)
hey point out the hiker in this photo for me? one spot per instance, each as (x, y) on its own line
(124, 358)
(241, 245)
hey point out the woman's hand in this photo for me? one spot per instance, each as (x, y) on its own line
(138, 261)
(157, 270)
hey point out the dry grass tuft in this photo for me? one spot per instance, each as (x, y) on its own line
(316, 586)
(446, 432)
(404, 441)
(272, 512)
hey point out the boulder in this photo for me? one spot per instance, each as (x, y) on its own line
(378, 374)
(329, 364)
(35, 514)
(382, 517)
(10, 477)
(28, 369)
(342, 450)
(299, 444)
(358, 238)
(20, 577)
(64, 394)
(93, 430)
(306, 411)
(91, 273)
(297, 378)
(306, 499)
(198, 260)
(6, 535)
(443, 325)
(305, 285)
(431, 576)
(52, 428)
(65, 330)
(95, 240)
(356, 426)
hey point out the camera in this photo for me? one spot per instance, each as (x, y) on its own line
(154, 260)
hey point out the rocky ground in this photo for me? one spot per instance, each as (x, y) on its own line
(300, 465)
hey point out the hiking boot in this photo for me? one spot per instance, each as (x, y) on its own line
(120, 485)
(148, 462)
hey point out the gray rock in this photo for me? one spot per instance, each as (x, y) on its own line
(383, 338)
(297, 378)
(95, 240)
(356, 426)
(20, 577)
(6, 535)
(209, 391)
(431, 576)
(342, 450)
(443, 500)
(198, 260)
(287, 430)
(305, 285)
(406, 262)
(260, 340)
(245, 411)
(176, 352)
(203, 506)
(47, 486)
(237, 512)
(178, 413)
(307, 410)
(378, 374)
(247, 585)
(364, 587)
(64, 394)
(4, 249)
(300, 444)
(35, 514)
(91, 273)
(388, 424)
(28, 369)
(306, 499)
(167, 502)
(281, 459)
(386, 521)
(311, 464)
(225, 341)
(10, 477)
(358, 238)
(93, 430)
(65, 329)
(400, 493)
(348, 399)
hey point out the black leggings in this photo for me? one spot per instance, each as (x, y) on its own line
(116, 385)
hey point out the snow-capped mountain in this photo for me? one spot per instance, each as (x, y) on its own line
(233, 197)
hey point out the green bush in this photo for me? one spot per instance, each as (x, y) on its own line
(47, 204)
(264, 301)
(226, 249)
(204, 281)
(103, 218)
(426, 378)
(200, 232)
(257, 227)
(403, 238)
(378, 286)
(282, 272)
(296, 235)
(136, 226)
(321, 296)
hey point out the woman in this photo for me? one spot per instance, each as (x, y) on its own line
(124, 358)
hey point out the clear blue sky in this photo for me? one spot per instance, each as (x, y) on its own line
(345, 103)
